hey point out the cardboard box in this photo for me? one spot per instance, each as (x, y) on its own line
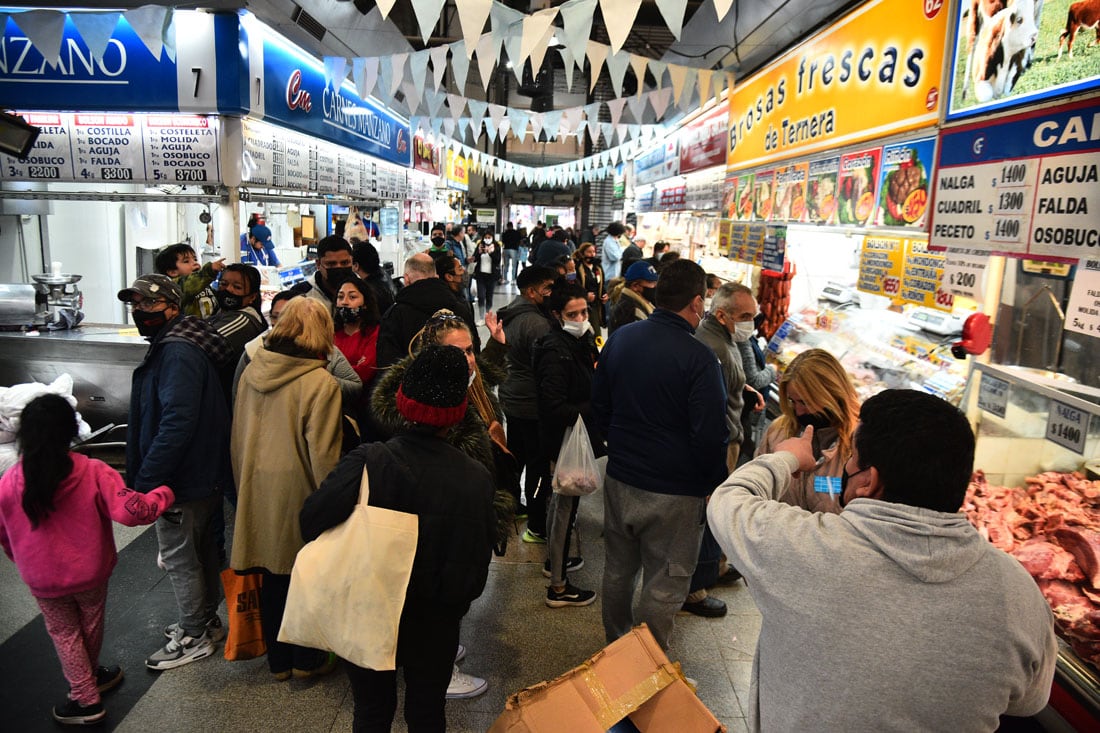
(631, 677)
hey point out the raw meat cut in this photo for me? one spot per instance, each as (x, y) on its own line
(1085, 546)
(1047, 561)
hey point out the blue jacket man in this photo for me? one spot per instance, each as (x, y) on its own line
(659, 399)
(179, 436)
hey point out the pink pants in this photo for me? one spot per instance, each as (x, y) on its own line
(75, 623)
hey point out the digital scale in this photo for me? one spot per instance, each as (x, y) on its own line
(936, 322)
(837, 293)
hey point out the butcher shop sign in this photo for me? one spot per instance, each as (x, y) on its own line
(1067, 426)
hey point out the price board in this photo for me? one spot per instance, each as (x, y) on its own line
(993, 395)
(880, 266)
(1022, 185)
(1083, 311)
(922, 274)
(964, 272)
(1067, 426)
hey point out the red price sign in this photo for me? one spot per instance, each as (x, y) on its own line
(891, 285)
(945, 299)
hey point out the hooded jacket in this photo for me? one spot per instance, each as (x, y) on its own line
(564, 366)
(451, 495)
(629, 308)
(885, 617)
(524, 324)
(178, 431)
(413, 305)
(286, 439)
(714, 334)
(73, 549)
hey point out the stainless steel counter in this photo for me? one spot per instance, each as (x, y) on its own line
(97, 356)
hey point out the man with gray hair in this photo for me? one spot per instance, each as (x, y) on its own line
(424, 293)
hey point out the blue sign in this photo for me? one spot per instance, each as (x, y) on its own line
(297, 96)
(127, 77)
(775, 248)
(1069, 129)
(649, 166)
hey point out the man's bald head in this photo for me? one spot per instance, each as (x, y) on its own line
(419, 267)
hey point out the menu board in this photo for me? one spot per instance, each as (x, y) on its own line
(880, 265)
(747, 242)
(922, 275)
(104, 147)
(671, 198)
(1029, 189)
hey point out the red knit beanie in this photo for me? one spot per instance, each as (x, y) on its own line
(433, 390)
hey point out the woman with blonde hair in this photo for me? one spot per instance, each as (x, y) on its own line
(815, 390)
(285, 441)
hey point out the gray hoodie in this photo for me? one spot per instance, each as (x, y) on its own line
(885, 617)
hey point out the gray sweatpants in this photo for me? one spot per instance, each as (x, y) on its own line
(659, 535)
(189, 551)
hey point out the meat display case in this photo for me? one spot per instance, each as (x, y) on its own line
(1041, 431)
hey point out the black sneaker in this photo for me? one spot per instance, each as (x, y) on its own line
(569, 597)
(73, 713)
(573, 563)
(107, 678)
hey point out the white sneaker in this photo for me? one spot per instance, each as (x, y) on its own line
(179, 651)
(460, 654)
(464, 686)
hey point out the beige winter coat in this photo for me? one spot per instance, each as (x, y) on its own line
(285, 441)
(802, 491)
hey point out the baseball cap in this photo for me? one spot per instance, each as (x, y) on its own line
(261, 232)
(641, 271)
(152, 287)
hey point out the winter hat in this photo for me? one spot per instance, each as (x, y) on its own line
(640, 271)
(433, 390)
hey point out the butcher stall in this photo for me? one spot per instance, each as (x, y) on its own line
(1035, 494)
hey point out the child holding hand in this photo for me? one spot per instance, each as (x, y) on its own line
(56, 509)
(179, 262)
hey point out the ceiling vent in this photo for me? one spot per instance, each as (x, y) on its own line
(307, 22)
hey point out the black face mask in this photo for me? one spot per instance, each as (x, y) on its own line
(149, 324)
(844, 476)
(438, 241)
(335, 276)
(590, 260)
(347, 314)
(229, 302)
(817, 420)
(649, 294)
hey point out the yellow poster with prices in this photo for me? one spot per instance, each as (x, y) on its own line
(880, 266)
(922, 276)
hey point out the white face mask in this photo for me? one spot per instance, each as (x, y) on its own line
(742, 331)
(707, 303)
(576, 329)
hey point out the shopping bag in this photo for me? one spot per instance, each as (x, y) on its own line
(347, 587)
(245, 637)
(575, 473)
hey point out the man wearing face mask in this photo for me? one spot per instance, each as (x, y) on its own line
(664, 420)
(178, 435)
(898, 595)
(334, 266)
(635, 296)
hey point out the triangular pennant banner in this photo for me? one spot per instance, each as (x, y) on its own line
(705, 88)
(721, 7)
(616, 69)
(418, 68)
(597, 55)
(619, 18)
(512, 45)
(539, 52)
(659, 99)
(637, 107)
(95, 28)
(385, 73)
(496, 114)
(448, 127)
(477, 114)
(592, 111)
(384, 7)
(460, 63)
(412, 93)
(472, 14)
(149, 23)
(397, 72)
(638, 63)
(364, 72)
(567, 61)
(435, 101)
(615, 106)
(518, 119)
(690, 80)
(577, 19)
(457, 104)
(486, 58)
(552, 124)
(678, 75)
(439, 64)
(427, 15)
(534, 31)
(657, 68)
(336, 70)
(673, 13)
(536, 125)
(463, 126)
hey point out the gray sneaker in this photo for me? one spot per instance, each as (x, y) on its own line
(181, 650)
(214, 630)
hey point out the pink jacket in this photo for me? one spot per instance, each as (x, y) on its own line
(73, 549)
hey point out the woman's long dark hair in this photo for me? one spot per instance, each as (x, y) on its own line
(370, 315)
(46, 430)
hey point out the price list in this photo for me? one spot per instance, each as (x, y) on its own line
(295, 155)
(325, 172)
(352, 174)
(880, 266)
(106, 147)
(1067, 426)
(259, 149)
(985, 206)
(747, 242)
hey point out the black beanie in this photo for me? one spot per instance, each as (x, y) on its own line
(433, 390)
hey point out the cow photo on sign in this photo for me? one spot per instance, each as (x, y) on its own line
(1008, 52)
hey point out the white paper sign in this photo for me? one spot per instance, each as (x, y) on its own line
(964, 273)
(1067, 426)
(1083, 312)
(993, 395)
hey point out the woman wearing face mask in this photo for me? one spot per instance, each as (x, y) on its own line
(480, 434)
(357, 318)
(565, 361)
(590, 277)
(486, 262)
(815, 390)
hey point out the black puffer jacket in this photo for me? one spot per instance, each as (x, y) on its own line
(451, 495)
(564, 366)
(412, 307)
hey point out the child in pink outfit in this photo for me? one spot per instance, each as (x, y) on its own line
(56, 509)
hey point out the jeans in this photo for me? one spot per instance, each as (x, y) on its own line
(523, 441)
(510, 264)
(188, 549)
(426, 644)
(657, 535)
(521, 263)
(485, 286)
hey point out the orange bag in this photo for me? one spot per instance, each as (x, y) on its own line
(245, 637)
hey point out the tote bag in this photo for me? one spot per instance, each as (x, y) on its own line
(347, 587)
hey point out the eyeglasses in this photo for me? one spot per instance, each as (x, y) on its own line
(148, 305)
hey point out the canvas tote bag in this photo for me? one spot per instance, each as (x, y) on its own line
(347, 587)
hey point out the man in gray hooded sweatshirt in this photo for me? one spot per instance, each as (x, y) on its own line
(894, 615)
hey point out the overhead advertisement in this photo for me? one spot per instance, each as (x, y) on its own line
(425, 156)
(458, 176)
(1024, 52)
(661, 162)
(1022, 185)
(703, 141)
(874, 73)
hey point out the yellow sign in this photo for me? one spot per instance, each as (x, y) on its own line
(747, 242)
(880, 266)
(457, 173)
(922, 276)
(874, 73)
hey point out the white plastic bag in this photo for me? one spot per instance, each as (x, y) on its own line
(576, 473)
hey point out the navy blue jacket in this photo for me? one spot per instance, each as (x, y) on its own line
(659, 400)
(178, 433)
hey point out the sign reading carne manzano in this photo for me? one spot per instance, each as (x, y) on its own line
(874, 73)
(1023, 185)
